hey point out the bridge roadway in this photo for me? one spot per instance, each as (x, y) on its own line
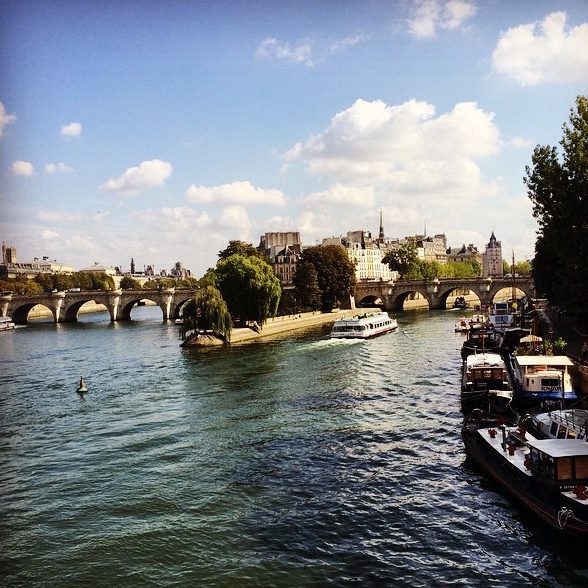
(65, 306)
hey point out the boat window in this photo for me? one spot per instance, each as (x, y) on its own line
(550, 382)
(553, 431)
(561, 434)
(582, 467)
(571, 434)
(564, 468)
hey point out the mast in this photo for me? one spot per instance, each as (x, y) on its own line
(512, 270)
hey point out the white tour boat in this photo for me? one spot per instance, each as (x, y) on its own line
(6, 323)
(363, 326)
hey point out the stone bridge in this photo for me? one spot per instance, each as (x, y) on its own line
(393, 294)
(65, 306)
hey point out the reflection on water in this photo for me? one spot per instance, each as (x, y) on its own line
(300, 461)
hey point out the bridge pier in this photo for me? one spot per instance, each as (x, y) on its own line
(113, 304)
(4, 302)
(167, 296)
(57, 299)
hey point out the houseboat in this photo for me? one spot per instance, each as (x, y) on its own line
(481, 338)
(567, 423)
(363, 326)
(485, 383)
(504, 315)
(541, 378)
(549, 477)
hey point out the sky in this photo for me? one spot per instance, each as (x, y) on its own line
(162, 130)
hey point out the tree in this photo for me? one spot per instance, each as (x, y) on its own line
(130, 283)
(207, 311)
(249, 287)
(420, 269)
(240, 248)
(399, 260)
(558, 189)
(306, 282)
(335, 273)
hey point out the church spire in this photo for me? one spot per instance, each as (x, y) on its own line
(381, 233)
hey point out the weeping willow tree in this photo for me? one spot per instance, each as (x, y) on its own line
(207, 311)
(249, 286)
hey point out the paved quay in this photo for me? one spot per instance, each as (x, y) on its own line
(284, 324)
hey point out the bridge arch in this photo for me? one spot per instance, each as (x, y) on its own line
(71, 312)
(20, 314)
(124, 313)
(178, 304)
(446, 293)
(395, 302)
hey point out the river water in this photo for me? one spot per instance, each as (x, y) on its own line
(297, 462)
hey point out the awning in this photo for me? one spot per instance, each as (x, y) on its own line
(531, 339)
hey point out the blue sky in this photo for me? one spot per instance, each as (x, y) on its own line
(162, 130)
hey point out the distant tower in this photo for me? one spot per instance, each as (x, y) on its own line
(132, 266)
(492, 259)
(8, 255)
(381, 233)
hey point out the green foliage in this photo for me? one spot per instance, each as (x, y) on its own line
(249, 287)
(306, 282)
(335, 273)
(207, 311)
(556, 347)
(420, 269)
(82, 280)
(469, 268)
(558, 189)
(129, 283)
(208, 279)
(20, 285)
(187, 283)
(240, 248)
(159, 283)
(399, 260)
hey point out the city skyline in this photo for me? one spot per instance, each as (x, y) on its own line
(180, 126)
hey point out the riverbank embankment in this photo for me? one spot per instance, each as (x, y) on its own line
(284, 324)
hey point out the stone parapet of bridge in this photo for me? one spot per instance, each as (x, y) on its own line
(393, 294)
(65, 306)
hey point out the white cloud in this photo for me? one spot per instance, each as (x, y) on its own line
(341, 194)
(5, 119)
(22, 168)
(234, 218)
(147, 174)
(430, 15)
(48, 235)
(521, 143)
(235, 193)
(455, 13)
(541, 52)
(272, 48)
(71, 130)
(349, 41)
(59, 217)
(57, 168)
(372, 143)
